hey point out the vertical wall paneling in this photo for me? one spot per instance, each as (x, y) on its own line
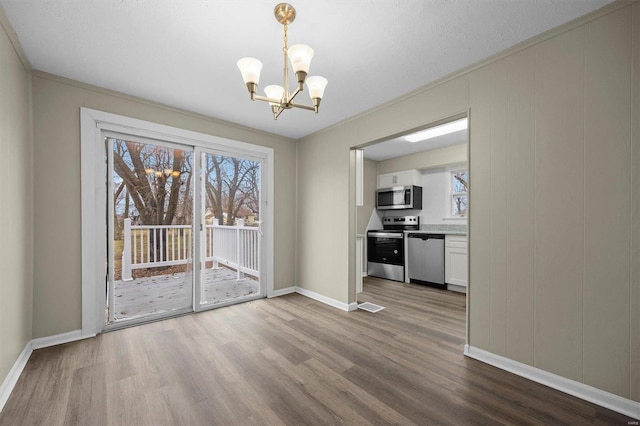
(634, 299)
(607, 198)
(498, 242)
(480, 208)
(559, 195)
(520, 177)
(551, 177)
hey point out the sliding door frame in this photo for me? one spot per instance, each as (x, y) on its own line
(111, 324)
(200, 225)
(94, 199)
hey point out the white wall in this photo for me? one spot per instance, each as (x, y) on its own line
(434, 165)
(445, 156)
(16, 193)
(434, 196)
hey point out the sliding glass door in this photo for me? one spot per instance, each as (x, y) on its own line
(184, 229)
(231, 228)
(150, 229)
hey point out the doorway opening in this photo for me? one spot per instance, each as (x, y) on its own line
(434, 161)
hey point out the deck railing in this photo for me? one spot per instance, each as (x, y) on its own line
(235, 246)
(148, 246)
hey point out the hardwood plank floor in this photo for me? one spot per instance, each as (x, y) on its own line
(290, 361)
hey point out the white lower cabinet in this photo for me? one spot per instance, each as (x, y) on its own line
(456, 270)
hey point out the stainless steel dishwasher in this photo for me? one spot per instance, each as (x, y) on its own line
(426, 259)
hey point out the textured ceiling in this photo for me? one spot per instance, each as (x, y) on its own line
(184, 53)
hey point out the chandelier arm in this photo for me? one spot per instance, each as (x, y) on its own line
(310, 108)
(264, 98)
(294, 94)
(275, 116)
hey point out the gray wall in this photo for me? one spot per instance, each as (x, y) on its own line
(16, 250)
(57, 102)
(555, 195)
(551, 168)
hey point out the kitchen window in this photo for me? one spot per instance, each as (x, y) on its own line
(459, 183)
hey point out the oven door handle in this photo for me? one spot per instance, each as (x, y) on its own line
(386, 235)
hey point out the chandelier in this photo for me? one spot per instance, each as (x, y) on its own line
(300, 55)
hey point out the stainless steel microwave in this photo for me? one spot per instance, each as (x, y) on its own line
(399, 197)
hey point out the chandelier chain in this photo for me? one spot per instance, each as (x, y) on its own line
(286, 38)
(285, 50)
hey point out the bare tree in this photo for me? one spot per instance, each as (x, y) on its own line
(461, 188)
(214, 184)
(154, 184)
(231, 185)
(156, 180)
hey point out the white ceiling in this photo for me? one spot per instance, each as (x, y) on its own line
(184, 53)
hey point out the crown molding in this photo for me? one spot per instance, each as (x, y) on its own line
(131, 98)
(13, 38)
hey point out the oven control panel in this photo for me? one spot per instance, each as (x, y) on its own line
(401, 220)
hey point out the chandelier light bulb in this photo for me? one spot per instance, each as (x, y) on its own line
(316, 85)
(300, 56)
(250, 69)
(274, 92)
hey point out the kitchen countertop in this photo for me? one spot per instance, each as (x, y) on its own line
(442, 229)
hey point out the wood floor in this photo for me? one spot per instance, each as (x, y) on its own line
(290, 360)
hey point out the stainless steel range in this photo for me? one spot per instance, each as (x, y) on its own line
(385, 248)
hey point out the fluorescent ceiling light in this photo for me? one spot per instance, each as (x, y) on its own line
(433, 132)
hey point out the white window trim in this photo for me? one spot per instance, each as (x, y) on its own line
(93, 198)
(449, 194)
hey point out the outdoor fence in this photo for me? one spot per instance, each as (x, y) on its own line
(149, 246)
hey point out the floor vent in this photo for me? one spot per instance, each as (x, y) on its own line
(370, 307)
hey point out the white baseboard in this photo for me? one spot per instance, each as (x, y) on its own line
(282, 291)
(58, 339)
(457, 288)
(14, 374)
(327, 300)
(43, 342)
(571, 387)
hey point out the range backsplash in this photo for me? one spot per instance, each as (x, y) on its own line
(445, 228)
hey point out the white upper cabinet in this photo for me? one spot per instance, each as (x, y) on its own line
(404, 178)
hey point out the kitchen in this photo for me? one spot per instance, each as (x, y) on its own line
(412, 222)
